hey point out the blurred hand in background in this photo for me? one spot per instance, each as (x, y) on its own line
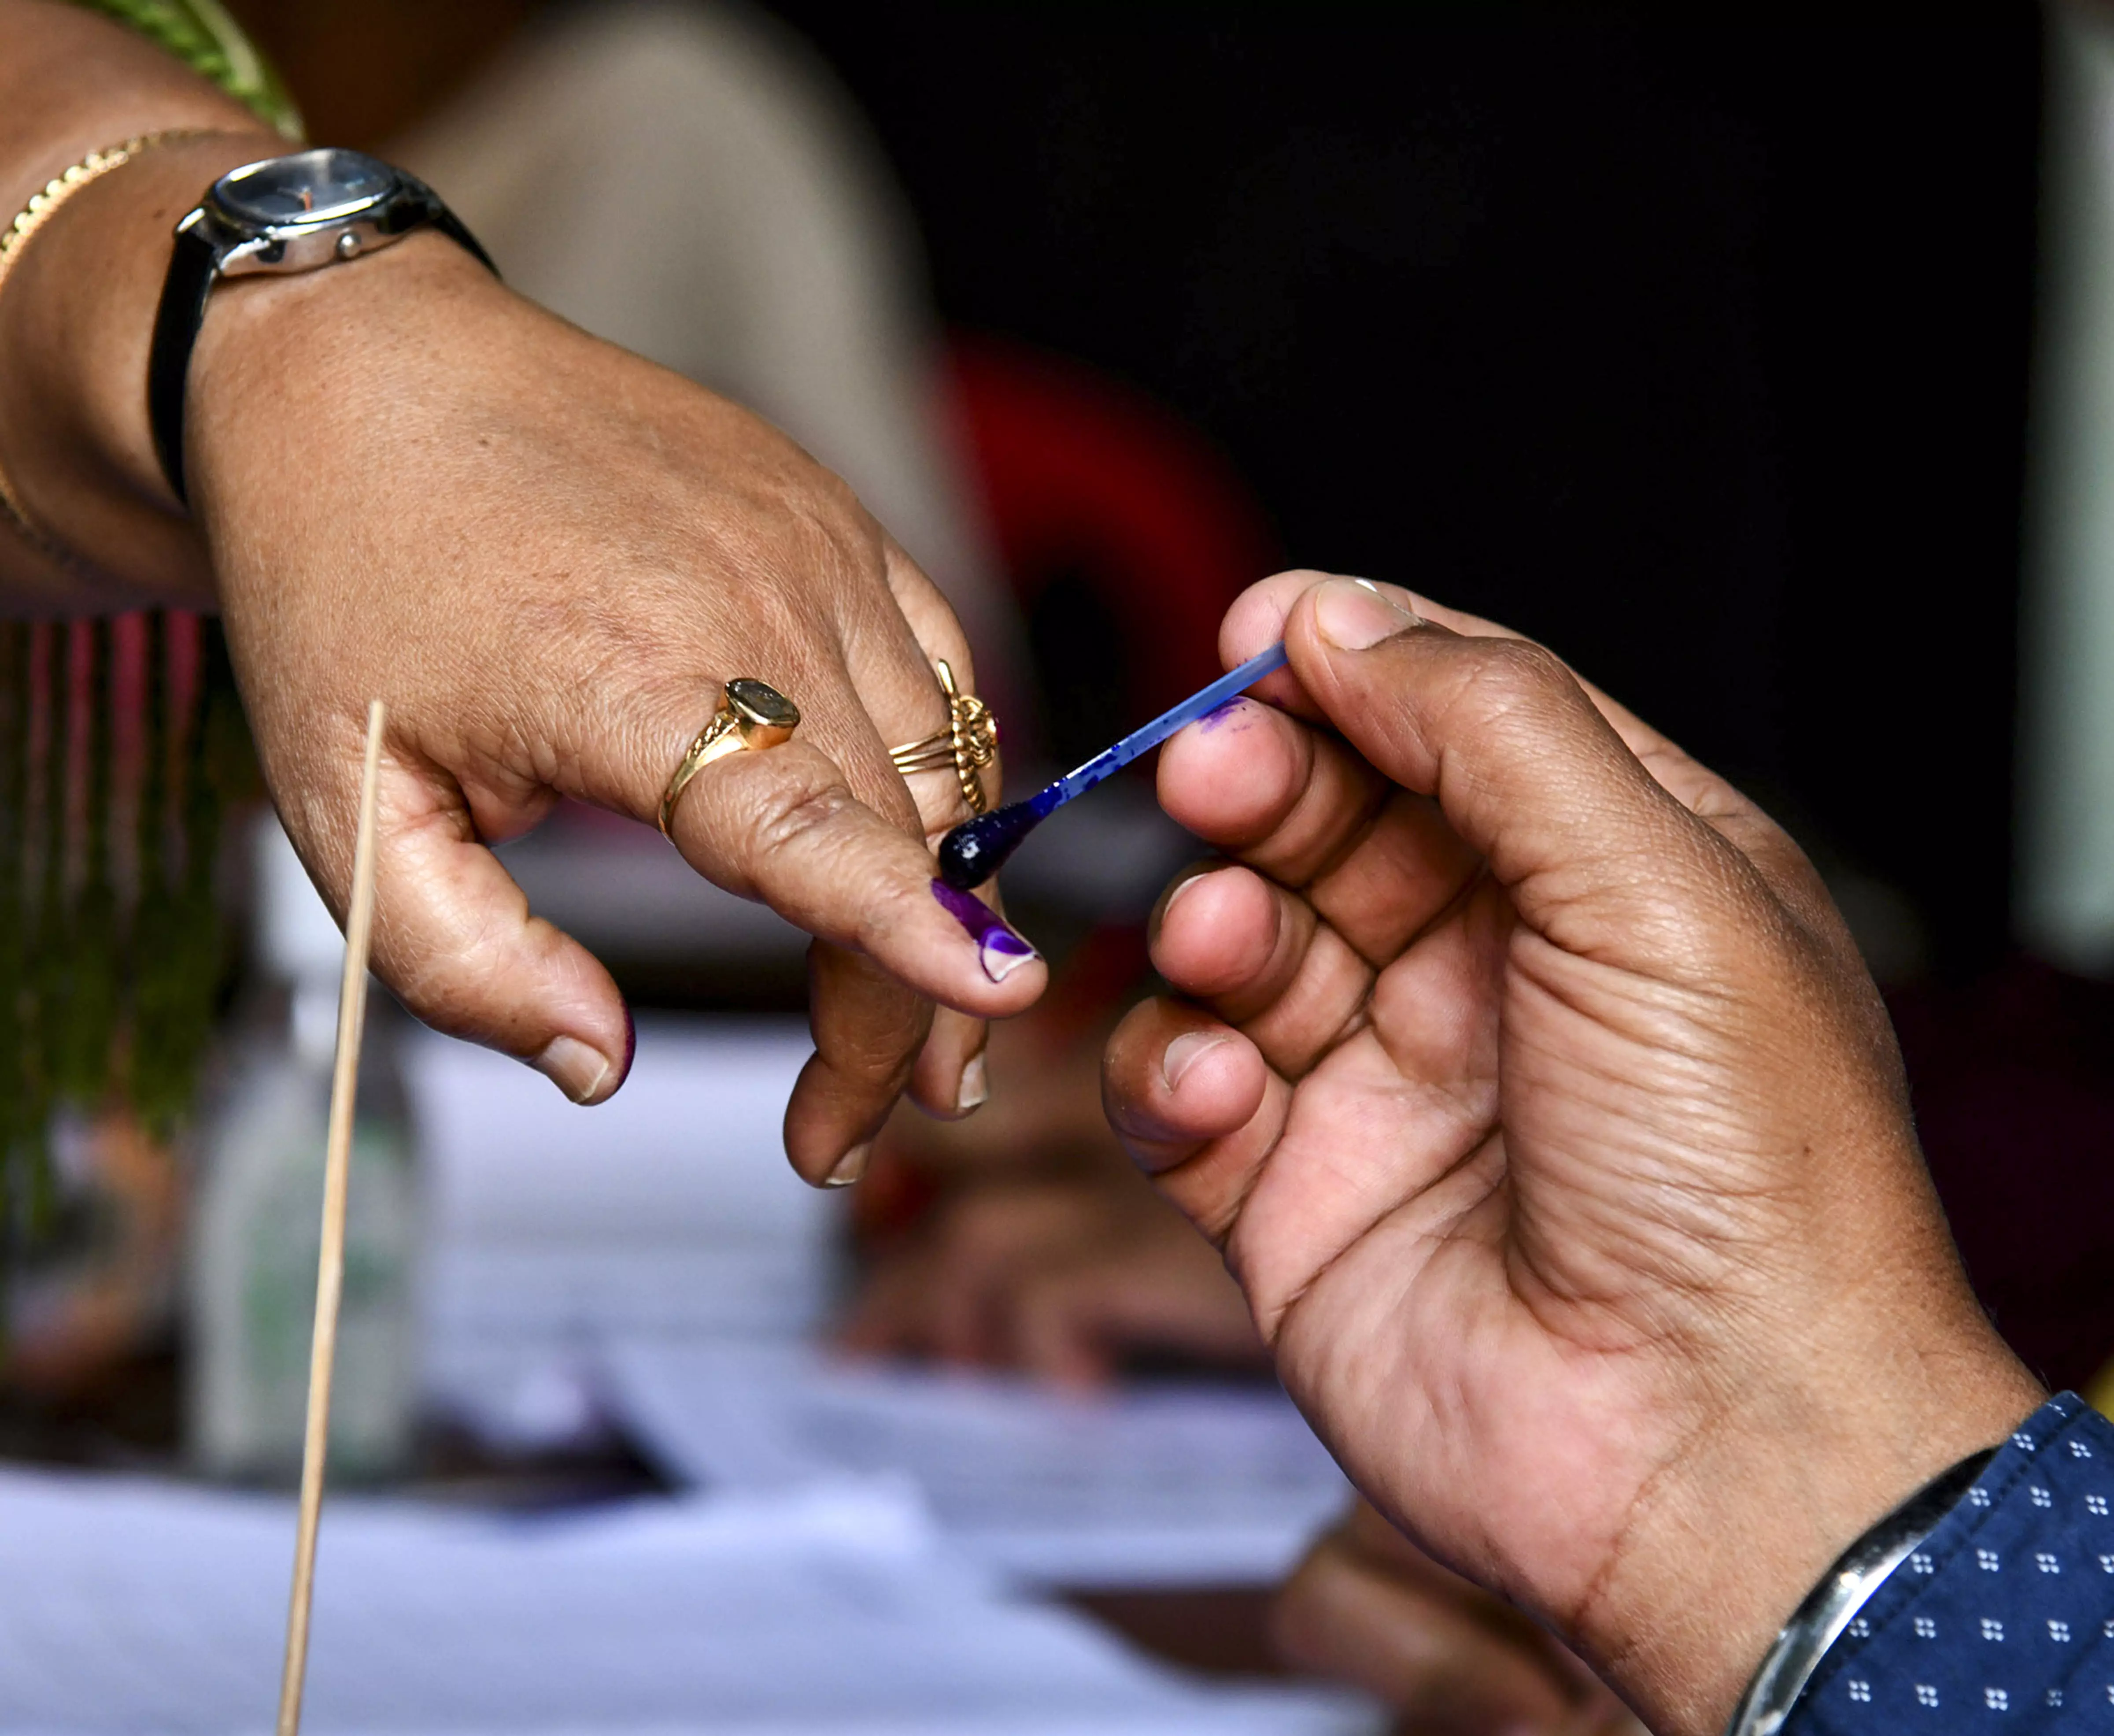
(1036, 1244)
(1367, 1606)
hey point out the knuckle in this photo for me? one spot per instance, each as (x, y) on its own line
(764, 805)
(825, 499)
(1511, 690)
(821, 525)
(881, 1065)
(1517, 671)
(874, 1045)
(792, 816)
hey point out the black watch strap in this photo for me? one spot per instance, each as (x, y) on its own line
(193, 269)
(452, 226)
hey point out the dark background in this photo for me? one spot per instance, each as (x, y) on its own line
(1699, 352)
(1698, 349)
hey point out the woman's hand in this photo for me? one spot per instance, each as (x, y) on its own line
(1540, 1103)
(1367, 1606)
(544, 553)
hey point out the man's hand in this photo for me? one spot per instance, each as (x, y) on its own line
(1538, 1098)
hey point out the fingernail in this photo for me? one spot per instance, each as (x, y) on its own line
(975, 1087)
(575, 1069)
(1001, 952)
(1351, 613)
(1184, 1053)
(998, 950)
(850, 1166)
(1175, 897)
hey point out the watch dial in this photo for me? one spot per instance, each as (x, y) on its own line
(308, 187)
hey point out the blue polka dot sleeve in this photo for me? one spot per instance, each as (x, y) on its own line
(2003, 1618)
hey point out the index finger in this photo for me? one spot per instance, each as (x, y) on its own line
(1260, 615)
(1592, 850)
(1295, 804)
(781, 825)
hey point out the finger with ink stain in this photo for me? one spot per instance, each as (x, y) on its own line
(999, 949)
(1239, 712)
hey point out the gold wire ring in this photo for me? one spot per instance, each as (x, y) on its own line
(968, 744)
(751, 714)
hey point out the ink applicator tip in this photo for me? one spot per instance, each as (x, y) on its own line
(976, 849)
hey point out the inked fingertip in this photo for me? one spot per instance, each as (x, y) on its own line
(1001, 950)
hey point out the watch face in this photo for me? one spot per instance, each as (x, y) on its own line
(317, 186)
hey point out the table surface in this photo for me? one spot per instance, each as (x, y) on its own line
(131, 1421)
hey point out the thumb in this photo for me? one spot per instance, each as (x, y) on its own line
(453, 936)
(1593, 850)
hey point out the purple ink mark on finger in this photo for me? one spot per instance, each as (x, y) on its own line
(1233, 710)
(998, 950)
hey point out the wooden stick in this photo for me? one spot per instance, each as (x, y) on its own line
(330, 1263)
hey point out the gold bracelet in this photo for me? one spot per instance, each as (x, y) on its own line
(28, 221)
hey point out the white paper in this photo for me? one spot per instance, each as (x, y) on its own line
(669, 1209)
(130, 1608)
(652, 1263)
(1164, 1484)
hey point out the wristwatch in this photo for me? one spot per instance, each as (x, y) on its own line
(284, 214)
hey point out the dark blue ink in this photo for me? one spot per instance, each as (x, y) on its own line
(976, 850)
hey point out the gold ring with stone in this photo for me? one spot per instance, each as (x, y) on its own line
(968, 744)
(751, 714)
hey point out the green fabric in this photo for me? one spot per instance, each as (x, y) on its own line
(112, 971)
(201, 35)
